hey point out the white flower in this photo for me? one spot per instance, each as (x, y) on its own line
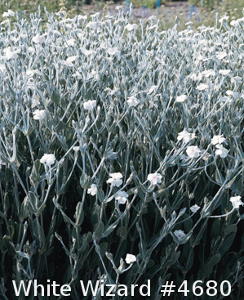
(121, 197)
(71, 58)
(90, 104)
(113, 51)
(152, 89)
(185, 136)
(218, 139)
(234, 22)
(86, 52)
(48, 159)
(181, 98)
(71, 42)
(193, 151)
(208, 73)
(39, 39)
(194, 208)
(92, 190)
(236, 201)
(67, 63)
(224, 72)
(196, 77)
(202, 87)
(80, 17)
(9, 54)
(77, 75)
(232, 94)
(33, 72)
(115, 179)
(131, 27)
(39, 114)
(2, 67)
(130, 258)
(199, 58)
(92, 25)
(179, 234)
(221, 151)
(9, 13)
(154, 178)
(132, 101)
(221, 55)
(76, 148)
(31, 49)
(95, 15)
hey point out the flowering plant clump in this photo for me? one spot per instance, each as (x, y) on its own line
(118, 138)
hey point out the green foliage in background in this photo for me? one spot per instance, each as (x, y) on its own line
(147, 3)
(30, 6)
(234, 6)
(117, 138)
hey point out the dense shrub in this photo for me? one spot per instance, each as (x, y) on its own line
(119, 139)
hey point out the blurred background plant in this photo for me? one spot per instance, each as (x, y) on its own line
(204, 9)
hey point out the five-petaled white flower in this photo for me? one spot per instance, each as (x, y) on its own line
(90, 104)
(185, 136)
(121, 197)
(39, 114)
(221, 151)
(218, 139)
(236, 201)
(48, 159)
(202, 87)
(208, 73)
(92, 190)
(181, 98)
(130, 258)
(154, 178)
(115, 179)
(193, 151)
(179, 234)
(194, 208)
(132, 101)
(39, 39)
